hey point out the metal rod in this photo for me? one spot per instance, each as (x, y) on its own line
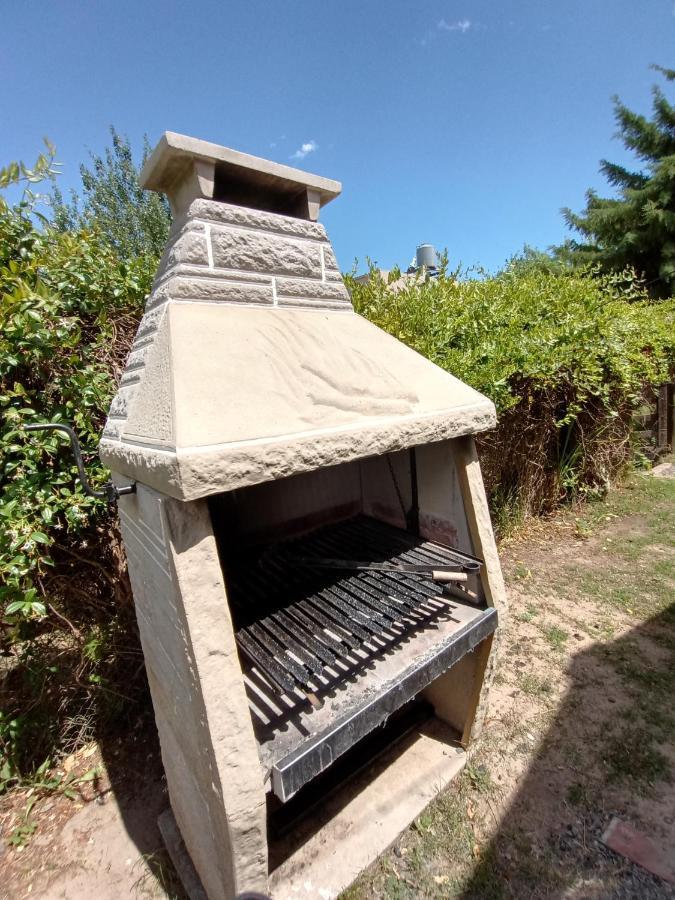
(437, 572)
(413, 517)
(109, 491)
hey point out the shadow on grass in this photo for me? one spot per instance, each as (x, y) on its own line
(609, 751)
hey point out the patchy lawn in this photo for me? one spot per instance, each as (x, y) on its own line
(581, 720)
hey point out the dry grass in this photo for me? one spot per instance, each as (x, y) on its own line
(531, 464)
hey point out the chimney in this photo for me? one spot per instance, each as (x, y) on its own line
(187, 169)
(250, 363)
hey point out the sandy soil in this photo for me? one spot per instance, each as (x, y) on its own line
(103, 843)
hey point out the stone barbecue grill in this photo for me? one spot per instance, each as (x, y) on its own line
(313, 566)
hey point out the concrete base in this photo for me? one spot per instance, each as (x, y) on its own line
(325, 852)
(328, 849)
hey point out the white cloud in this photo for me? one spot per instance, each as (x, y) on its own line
(462, 25)
(307, 147)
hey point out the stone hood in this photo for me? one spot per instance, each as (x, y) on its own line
(250, 363)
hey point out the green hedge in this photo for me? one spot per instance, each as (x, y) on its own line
(565, 356)
(69, 308)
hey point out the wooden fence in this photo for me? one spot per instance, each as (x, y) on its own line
(655, 423)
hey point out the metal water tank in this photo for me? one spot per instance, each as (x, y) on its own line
(426, 256)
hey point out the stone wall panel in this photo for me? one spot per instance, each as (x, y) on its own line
(220, 289)
(229, 214)
(233, 249)
(208, 748)
(329, 259)
(189, 248)
(300, 287)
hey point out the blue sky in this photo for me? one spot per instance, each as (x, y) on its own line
(464, 123)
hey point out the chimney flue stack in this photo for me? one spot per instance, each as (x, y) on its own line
(188, 169)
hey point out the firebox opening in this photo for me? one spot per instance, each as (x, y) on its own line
(339, 613)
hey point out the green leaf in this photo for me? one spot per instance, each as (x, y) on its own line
(14, 607)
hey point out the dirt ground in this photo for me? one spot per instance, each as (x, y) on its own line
(581, 724)
(581, 728)
(94, 832)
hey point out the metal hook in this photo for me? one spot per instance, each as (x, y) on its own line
(110, 491)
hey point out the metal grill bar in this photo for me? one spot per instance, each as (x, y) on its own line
(348, 626)
(395, 613)
(337, 597)
(299, 624)
(265, 662)
(281, 656)
(351, 640)
(366, 601)
(310, 662)
(396, 585)
(308, 633)
(435, 552)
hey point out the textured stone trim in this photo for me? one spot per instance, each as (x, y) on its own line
(149, 323)
(302, 287)
(197, 472)
(254, 219)
(225, 291)
(273, 259)
(189, 246)
(330, 261)
(313, 302)
(135, 366)
(119, 408)
(130, 377)
(264, 253)
(113, 428)
(242, 229)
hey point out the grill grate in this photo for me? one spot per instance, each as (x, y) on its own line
(305, 628)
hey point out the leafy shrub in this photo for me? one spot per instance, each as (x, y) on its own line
(68, 310)
(565, 357)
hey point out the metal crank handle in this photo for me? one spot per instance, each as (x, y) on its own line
(109, 491)
(443, 577)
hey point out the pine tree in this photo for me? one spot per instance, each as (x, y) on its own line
(637, 228)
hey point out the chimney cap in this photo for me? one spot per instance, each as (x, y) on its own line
(174, 155)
